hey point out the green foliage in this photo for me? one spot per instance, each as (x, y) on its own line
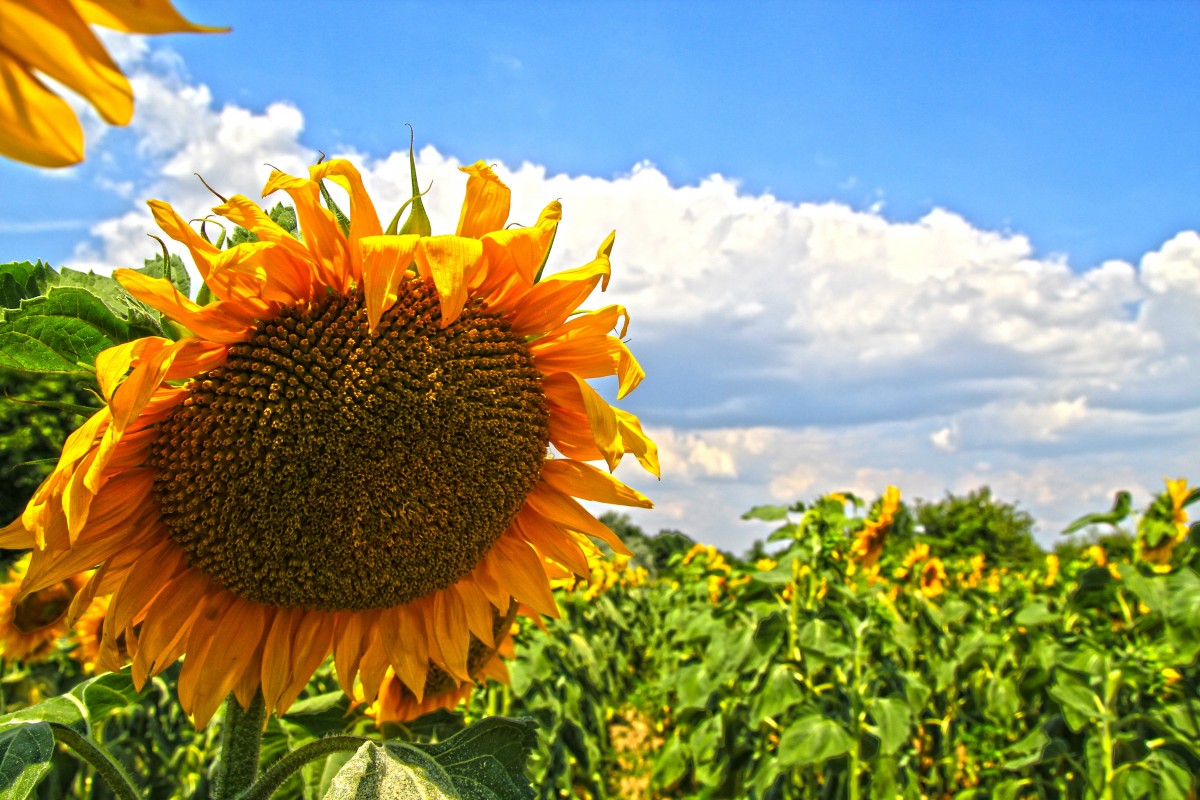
(1056, 680)
(959, 526)
(59, 321)
(33, 430)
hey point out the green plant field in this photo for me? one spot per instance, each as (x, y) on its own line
(1071, 679)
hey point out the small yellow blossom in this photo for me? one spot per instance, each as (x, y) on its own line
(1051, 570)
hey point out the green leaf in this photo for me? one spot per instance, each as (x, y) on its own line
(21, 280)
(25, 753)
(778, 694)
(813, 739)
(394, 771)
(672, 764)
(706, 739)
(316, 716)
(893, 721)
(73, 317)
(1077, 702)
(486, 761)
(820, 638)
(86, 705)
(285, 217)
(767, 513)
(172, 270)
(342, 220)
(1036, 613)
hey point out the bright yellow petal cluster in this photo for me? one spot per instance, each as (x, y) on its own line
(52, 38)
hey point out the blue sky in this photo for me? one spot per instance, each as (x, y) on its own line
(933, 244)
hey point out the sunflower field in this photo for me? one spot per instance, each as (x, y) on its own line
(824, 670)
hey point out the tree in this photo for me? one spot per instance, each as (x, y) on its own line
(960, 526)
(652, 552)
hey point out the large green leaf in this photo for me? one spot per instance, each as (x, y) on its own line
(486, 760)
(87, 704)
(813, 739)
(893, 722)
(25, 753)
(60, 321)
(391, 772)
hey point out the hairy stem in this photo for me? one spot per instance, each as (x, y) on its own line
(241, 739)
(98, 759)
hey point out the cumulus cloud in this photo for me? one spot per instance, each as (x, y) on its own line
(792, 348)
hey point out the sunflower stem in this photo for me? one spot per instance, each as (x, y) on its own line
(96, 757)
(241, 739)
(278, 773)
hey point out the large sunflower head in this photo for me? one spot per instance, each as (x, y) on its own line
(369, 445)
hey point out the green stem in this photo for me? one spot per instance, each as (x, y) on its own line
(1111, 687)
(278, 773)
(241, 739)
(856, 713)
(95, 756)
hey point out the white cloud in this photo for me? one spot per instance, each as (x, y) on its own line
(794, 348)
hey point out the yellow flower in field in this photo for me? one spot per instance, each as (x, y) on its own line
(765, 564)
(31, 622)
(1051, 570)
(918, 553)
(933, 578)
(52, 37)
(1114, 571)
(868, 545)
(1172, 675)
(351, 454)
(1170, 511)
(1097, 555)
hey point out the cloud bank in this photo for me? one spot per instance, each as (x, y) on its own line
(792, 348)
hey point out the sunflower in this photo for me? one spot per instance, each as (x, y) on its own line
(52, 37)
(868, 545)
(30, 623)
(350, 456)
(933, 578)
(1165, 525)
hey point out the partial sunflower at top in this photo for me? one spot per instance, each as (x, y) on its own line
(52, 37)
(351, 454)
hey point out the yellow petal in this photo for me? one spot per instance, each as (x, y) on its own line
(449, 261)
(322, 236)
(36, 125)
(139, 16)
(567, 512)
(364, 220)
(221, 321)
(385, 260)
(600, 415)
(449, 636)
(552, 300)
(523, 250)
(588, 483)
(485, 206)
(524, 573)
(51, 37)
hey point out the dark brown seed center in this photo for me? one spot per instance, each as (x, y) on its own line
(327, 466)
